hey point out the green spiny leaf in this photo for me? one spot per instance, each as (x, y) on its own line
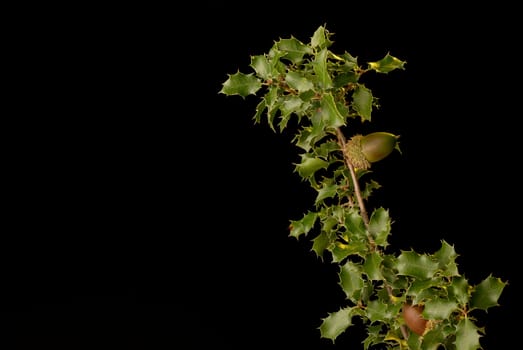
(320, 243)
(351, 279)
(414, 342)
(304, 225)
(309, 165)
(341, 250)
(394, 280)
(445, 254)
(446, 257)
(330, 115)
(260, 108)
(290, 105)
(328, 190)
(367, 292)
(355, 225)
(421, 289)
(439, 309)
(387, 64)
(321, 70)
(262, 66)
(372, 266)
(328, 215)
(379, 226)
(336, 323)
(467, 335)
(307, 95)
(272, 105)
(416, 265)
(345, 78)
(304, 138)
(326, 148)
(459, 290)
(350, 61)
(374, 336)
(241, 84)
(434, 338)
(320, 38)
(369, 188)
(298, 82)
(378, 310)
(362, 101)
(309, 136)
(294, 49)
(486, 294)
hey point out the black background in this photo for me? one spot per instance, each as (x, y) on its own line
(145, 210)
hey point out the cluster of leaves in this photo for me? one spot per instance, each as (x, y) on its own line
(324, 92)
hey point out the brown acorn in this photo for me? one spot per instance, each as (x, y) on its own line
(414, 319)
(373, 147)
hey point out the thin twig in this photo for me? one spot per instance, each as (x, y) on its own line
(357, 191)
(363, 212)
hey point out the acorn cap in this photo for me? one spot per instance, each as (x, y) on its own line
(353, 151)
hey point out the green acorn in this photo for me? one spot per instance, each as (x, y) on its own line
(364, 150)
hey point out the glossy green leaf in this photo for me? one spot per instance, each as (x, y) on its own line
(372, 266)
(416, 265)
(241, 84)
(298, 82)
(336, 323)
(379, 226)
(355, 224)
(350, 62)
(272, 105)
(309, 165)
(307, 95)
(387, 64)
(293, 49)
(369, 188)
(340, 251)
(308, 136)
(459, 290)
(439, 309)
(487, 293)
(262, 66)
(330, 115)
(304, 225)
(362, 101)
(320, 38)
(374, 336)
(345, 78)
(290, 105)
(351, 279)
(320, 243)
(467, 335)
(434, 338)
(328, 190)
(414, 342)
(446, 257)
(378, 310)
(419, 290)
(260, 109)
(326, 148)
(321, 69)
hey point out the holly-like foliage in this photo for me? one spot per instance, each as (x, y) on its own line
(323, 91)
